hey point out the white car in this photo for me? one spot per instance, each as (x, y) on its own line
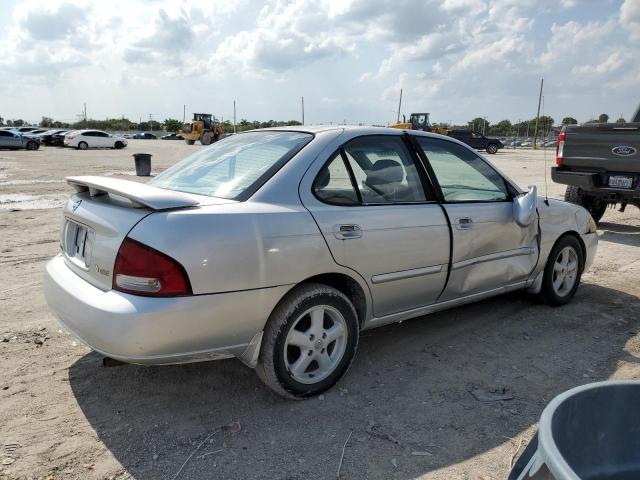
(83, 139)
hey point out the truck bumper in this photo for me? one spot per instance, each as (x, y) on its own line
(586, 181)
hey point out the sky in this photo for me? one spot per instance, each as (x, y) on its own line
(457, 59)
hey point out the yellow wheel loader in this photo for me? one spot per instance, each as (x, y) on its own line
(202, 128)
(420, 121)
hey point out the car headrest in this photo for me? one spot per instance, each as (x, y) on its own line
(323, 178)
(385, 171)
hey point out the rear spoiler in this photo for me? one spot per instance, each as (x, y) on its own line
(139, 194)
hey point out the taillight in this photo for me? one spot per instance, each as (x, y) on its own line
(560, 149)
(142, 270)
(71, 137)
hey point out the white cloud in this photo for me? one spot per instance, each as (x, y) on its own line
(452, 57)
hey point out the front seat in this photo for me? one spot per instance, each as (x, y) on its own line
(385, 179)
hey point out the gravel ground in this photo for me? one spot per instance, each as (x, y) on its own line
(405, 401)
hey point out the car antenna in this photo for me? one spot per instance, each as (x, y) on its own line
(546, 172)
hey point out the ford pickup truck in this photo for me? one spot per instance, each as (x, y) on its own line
(600, 164)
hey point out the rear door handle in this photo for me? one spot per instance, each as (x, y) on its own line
(347, 232)
(464, 223)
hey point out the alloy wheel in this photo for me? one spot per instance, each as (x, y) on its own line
(565, 271)
(315, 344)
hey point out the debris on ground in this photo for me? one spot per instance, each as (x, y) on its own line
(233, 427)
(421, 454)
(394, 462)
(491, 395)
(375, 430)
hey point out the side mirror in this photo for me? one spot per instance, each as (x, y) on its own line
(524, 207)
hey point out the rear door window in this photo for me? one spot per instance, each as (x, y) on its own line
(384, 170)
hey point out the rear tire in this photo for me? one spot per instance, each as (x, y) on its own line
(492, 148)
(189, 142)
(595, 206)
(309, 341)
(206, 138)
(83, 146)
(563, 271)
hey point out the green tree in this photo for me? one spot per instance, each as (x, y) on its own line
(18, 123)
(1, 121)
(503, 127)
(603, 118)
(172, 125)
(46, 122)
(478, 124)
(620, 120)
(569, 121)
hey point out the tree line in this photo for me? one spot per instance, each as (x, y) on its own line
(523, 128)
(502, 128)
(125, 125)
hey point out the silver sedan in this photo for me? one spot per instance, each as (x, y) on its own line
(279, 246)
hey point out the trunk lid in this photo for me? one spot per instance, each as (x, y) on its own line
(101, 214)
(603, 147)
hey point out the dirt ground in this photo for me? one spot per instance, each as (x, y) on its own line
(406, 399)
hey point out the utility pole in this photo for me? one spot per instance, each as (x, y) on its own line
(302, 110)
(234, 116)
(399, 107)
(85, 114)
(535, 131)
(184, 112)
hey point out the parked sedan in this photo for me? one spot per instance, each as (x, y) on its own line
(279, 246)
(145, 136)
(47, 138)
(83, 139)
(15, 140)
(172, 136)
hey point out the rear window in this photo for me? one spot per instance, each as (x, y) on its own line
(234, 167)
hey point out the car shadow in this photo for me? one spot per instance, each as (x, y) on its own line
(406, 398)
(620, 233)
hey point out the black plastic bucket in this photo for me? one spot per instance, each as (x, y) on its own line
(143, 164)
(591, 432)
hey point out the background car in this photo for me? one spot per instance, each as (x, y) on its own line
(477, 140)
(46, 138)
(83, 139)
(172, 136)
(279, 246)
(15, 140)
(145, 136)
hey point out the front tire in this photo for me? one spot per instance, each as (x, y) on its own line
(189, 142)
(562, 273)
(492, 148)
(309, 341)
(206, 138)
(118, 145)
(595, 206)
(32, 146)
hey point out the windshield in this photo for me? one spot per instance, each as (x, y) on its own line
(231, 167)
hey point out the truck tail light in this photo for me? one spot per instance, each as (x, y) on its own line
(142, 270)
(560, 149)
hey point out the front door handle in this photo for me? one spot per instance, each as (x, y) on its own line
(464, 223)
(347, 232)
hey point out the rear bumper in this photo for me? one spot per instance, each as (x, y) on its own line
(594, 184)
(158, 331)
(586, 181)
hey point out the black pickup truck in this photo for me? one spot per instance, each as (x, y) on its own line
(600, 164)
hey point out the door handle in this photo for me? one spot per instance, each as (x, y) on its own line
(464, 223)
(346, 232)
